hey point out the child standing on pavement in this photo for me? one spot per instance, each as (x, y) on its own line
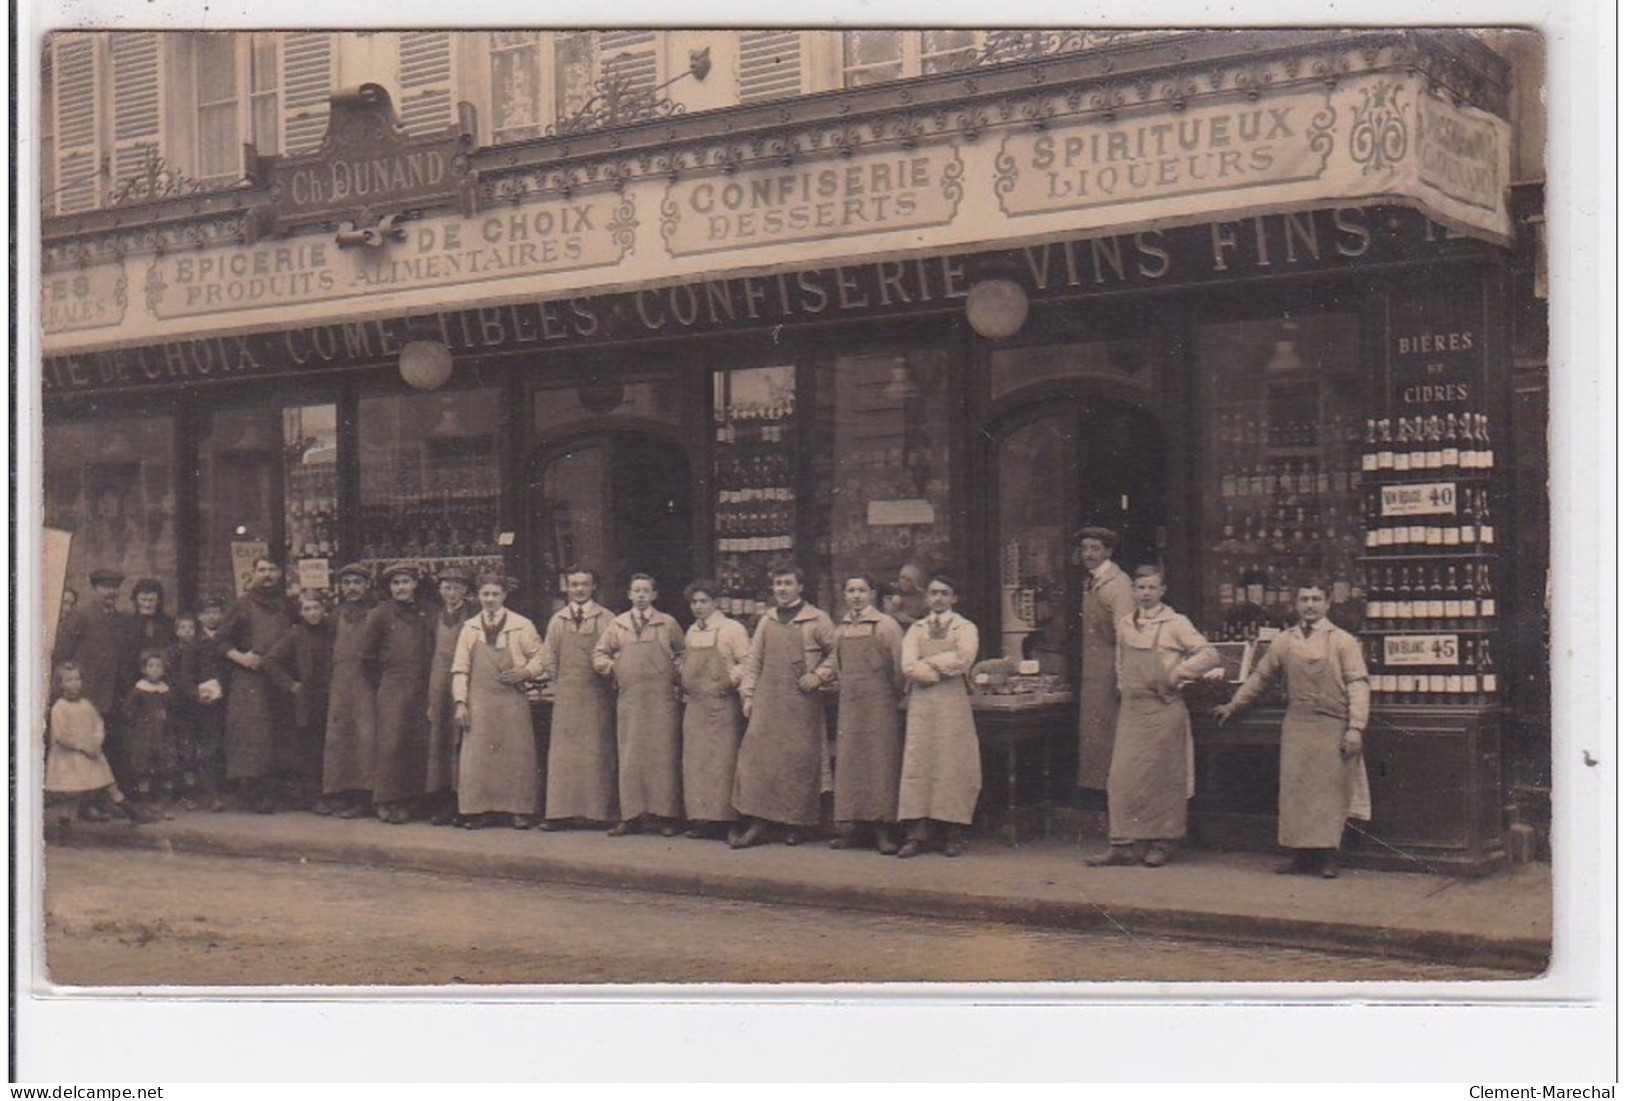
(301, 664)
(180, 753)
(74, 764)
(202, 682)
(146, 725)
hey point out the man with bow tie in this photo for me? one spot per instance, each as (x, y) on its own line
(1323, 777)
(639, 652)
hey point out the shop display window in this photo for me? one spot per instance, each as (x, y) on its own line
(111, 485)
(430, 483)
(239, 477)
(1279, 477)
(885, 418)
(753, 470)
(310, 521)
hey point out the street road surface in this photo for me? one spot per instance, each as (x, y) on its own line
(138, 917)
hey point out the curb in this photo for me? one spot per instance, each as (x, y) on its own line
(1526, 956)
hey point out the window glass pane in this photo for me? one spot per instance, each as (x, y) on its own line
(262, 64)
(516, 85)
(1276, 481)
(942, 51)
(1034, 466)
(238, 461)
(649, 399)
(572, 59)
(872, 56)
(262, 95)
(111, 485)
(429, 478)
(310, 455)
(216, 68)
(218, 147)
(890, 503)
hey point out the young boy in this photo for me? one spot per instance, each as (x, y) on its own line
(146, 715)
(202, 683)
(301, 664)
(180, 755)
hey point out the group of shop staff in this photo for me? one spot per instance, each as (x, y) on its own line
(405, 708)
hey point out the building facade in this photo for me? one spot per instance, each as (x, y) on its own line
(692, 302)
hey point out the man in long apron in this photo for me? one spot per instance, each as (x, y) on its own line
(1323, 778)
(349, 754)
(942, 760)
(639, 654)
(780, 758)
(581, 749)
(868, 665)
(1153, 773)
(440, 786)
(255, 710)
(1107, 598)
(714, 655)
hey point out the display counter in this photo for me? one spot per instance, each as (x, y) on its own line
(1435, 773)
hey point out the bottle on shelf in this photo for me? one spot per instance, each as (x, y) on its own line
(1402, 446)
(1486, 524)
(1450, 445)
(1385, 445)
(1368, 453)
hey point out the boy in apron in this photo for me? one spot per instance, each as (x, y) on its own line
(942, 759)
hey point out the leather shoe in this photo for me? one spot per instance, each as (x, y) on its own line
(694, 833)
(792, 838)
(845, 841)
(521, 821)
(549, 825)
(1328, 867)
(1156, 856)
(1120, 856)
(952, 848)
(887, 845)
(351, 811)
(620, 829)
(669, 829)
(910, 849)
(755, 835)
(1295, 866)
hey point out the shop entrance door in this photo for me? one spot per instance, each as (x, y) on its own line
(1057, 467)
(621, 502)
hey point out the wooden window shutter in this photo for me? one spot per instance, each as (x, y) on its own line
(426, 81)
(137, 103)
(307, 82)
(629, 56)
(769, 65)
(78, 168)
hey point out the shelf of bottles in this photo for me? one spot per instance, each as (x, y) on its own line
(753, 470)
(1287, 497)
(312, 512)
(442, 511)
(1429, 561)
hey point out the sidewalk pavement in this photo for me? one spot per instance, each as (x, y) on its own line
(1502, 920)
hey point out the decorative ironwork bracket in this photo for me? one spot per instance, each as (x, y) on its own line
(615, 102)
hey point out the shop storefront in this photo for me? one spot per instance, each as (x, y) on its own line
(1245, 304)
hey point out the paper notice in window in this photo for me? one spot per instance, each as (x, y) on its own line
(906, 510)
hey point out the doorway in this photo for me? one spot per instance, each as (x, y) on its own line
(620, 502)
(1058, 466)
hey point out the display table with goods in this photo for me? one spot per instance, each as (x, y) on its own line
(1021, 721)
